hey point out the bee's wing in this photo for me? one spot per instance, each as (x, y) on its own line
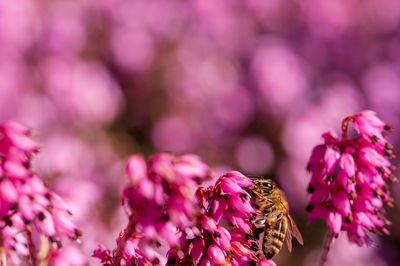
(292, 229)
(288, 237)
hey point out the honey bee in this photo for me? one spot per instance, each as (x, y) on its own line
(273, 217)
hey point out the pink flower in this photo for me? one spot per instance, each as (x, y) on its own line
(68, 256)
(159, 200)
(166, 213)
(348, 179)
(225, 202)
(103, 254)
(26, 204)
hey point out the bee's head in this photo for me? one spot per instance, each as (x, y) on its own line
(266, 185)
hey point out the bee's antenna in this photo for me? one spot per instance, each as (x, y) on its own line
(254, 177)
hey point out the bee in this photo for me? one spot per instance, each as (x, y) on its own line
(273, 217)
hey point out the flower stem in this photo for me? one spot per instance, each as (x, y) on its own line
(121, 246)
(327, 245)
(31, 246)
(44, 251)
(3, 258)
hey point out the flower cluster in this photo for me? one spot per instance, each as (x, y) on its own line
(26, 204)
(159, 200)
(173, 221)
(349, 178)
(210, 242)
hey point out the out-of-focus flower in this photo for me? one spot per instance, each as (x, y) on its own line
(339, 255)
(103, 254)
(159, 201)
(348, 182)
(255, 155)
(67, 256)
(26, 203)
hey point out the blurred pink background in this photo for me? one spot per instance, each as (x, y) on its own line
(247, 85)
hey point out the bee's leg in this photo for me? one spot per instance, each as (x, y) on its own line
(259, 212)
(257, 232)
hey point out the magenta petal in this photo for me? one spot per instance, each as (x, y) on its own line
(15, 169)
(136, 168)
(320, 192)
(197, 250)
(240, 250)
(218, 207)
(330, 137)
(341, 201)
(239, 221)
(342, 179)
(146, 188)
(215, 254)
(229, 186)
(372, 119)
(240, 179)
(8, 191)
(46, 224)
(369, 156)
(102, 253)
(25, 208)
(168, 232)
(130, 248)
(317, 155)
(23, 142)
(331, 157)
(347, 164)
(243, 205)
(334, 222)
(190, 165)
(208, 223)
(222, 238)
(237, 235)
(14, 127)
(365, 221)
(63, 222)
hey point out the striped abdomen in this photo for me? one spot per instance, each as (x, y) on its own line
(274, 235)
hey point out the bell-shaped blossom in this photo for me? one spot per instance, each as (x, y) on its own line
(349, 178)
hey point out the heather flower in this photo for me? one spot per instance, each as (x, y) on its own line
(159, 201)
(173, 221)
(211, 241)
(67, 256)
(349, 179)
(26, 203)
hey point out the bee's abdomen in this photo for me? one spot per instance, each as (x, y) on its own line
(274, 237)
